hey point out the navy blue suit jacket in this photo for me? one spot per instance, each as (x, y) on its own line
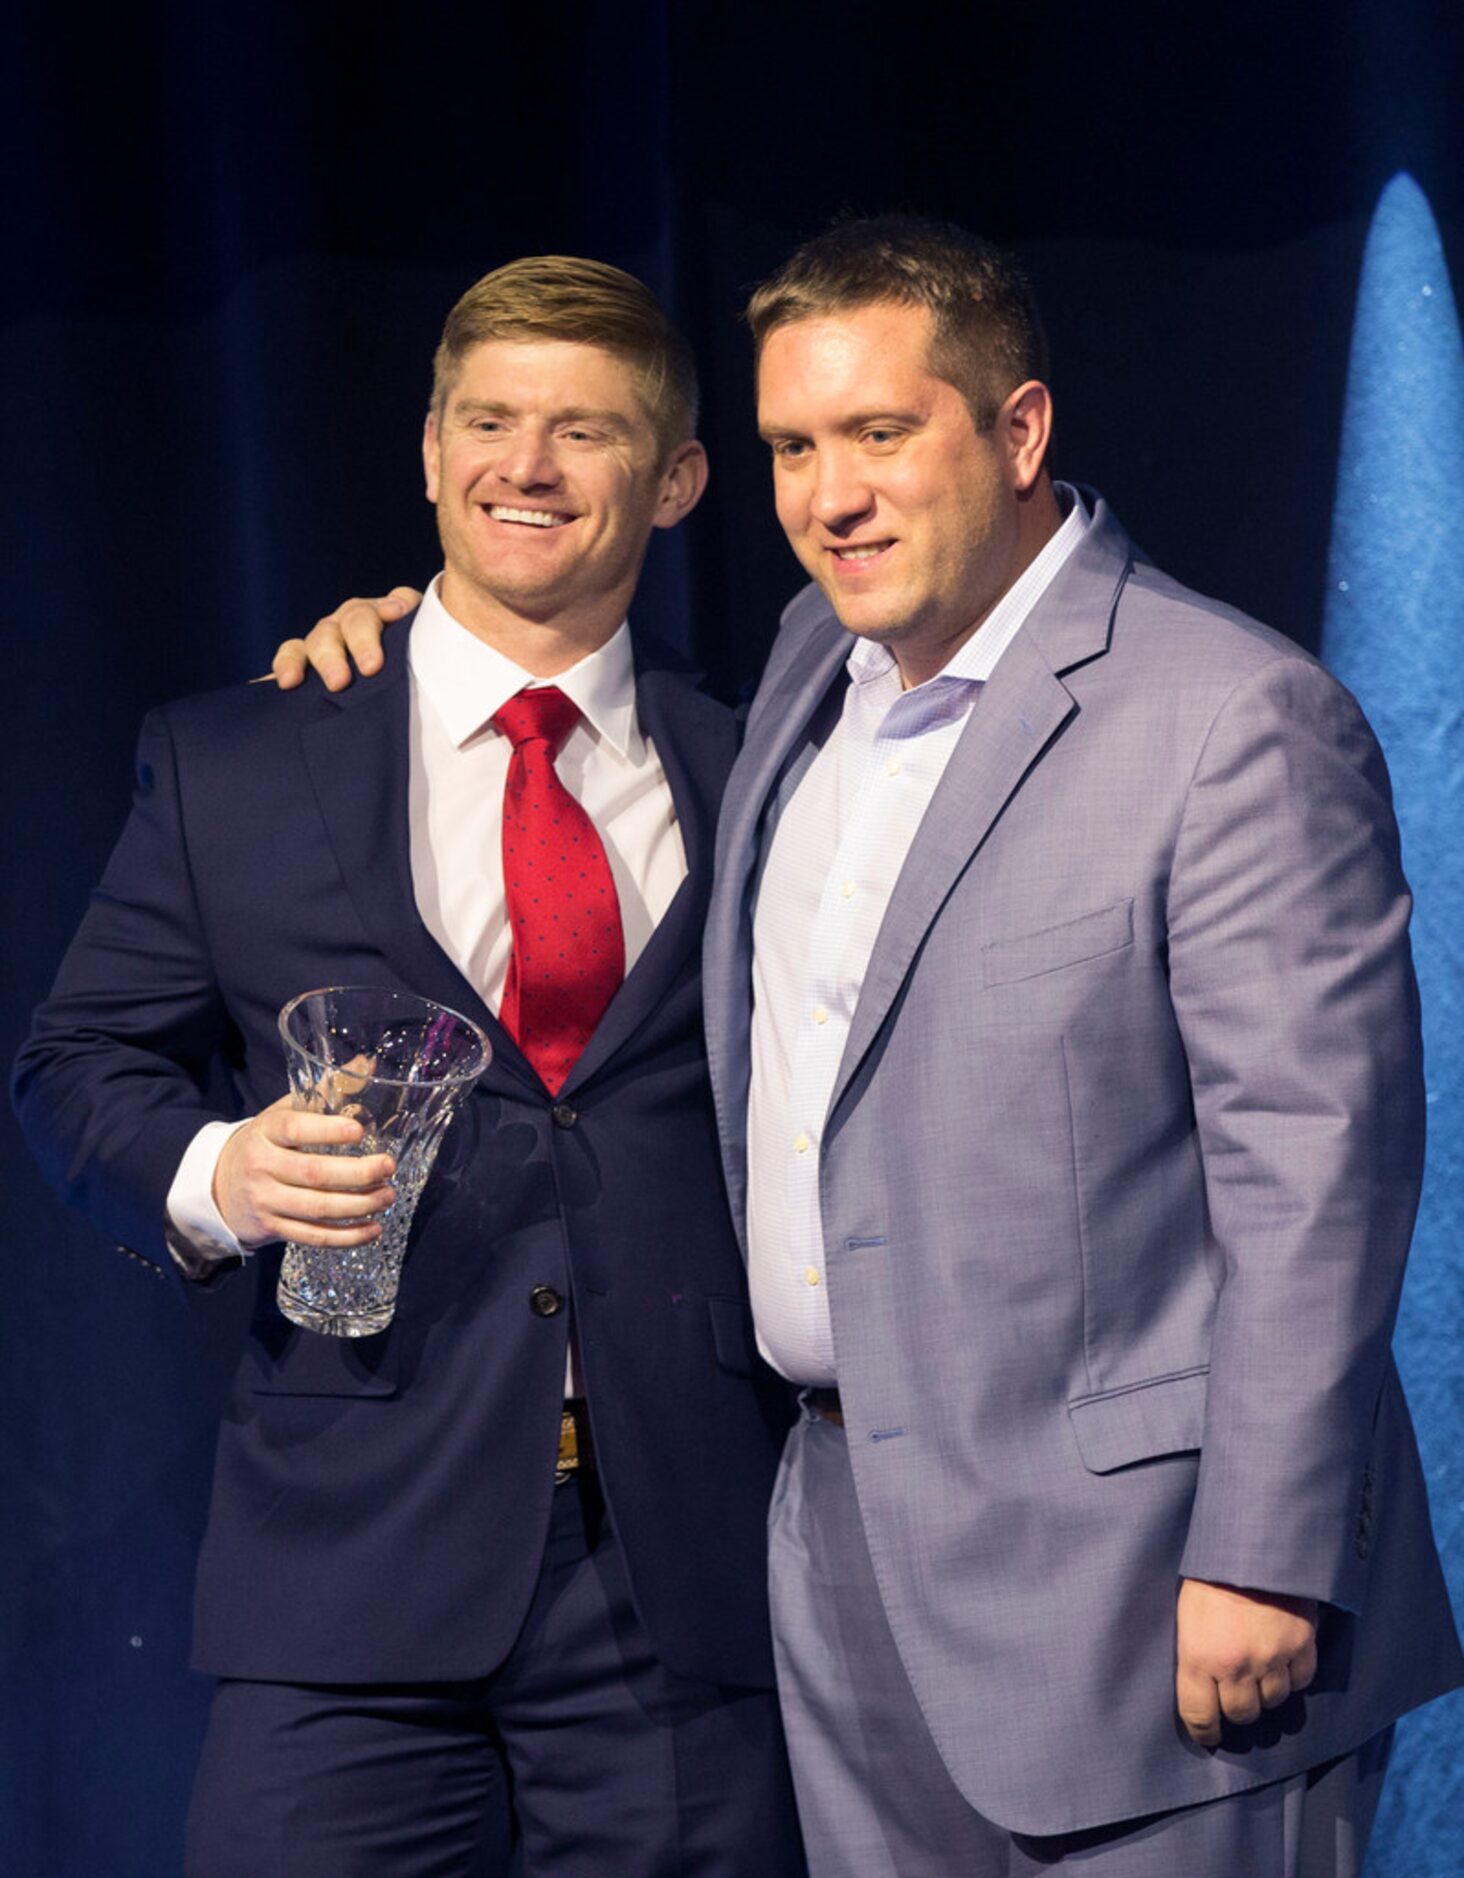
(380, 1506)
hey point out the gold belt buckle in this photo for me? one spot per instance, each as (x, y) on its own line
(569, 1448)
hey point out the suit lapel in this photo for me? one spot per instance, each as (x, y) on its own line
(695, 740)
(783, 711)
(791, 695)
(1022, 707)
(358, 754)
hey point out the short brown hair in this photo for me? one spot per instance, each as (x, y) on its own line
(987, 337)
(559, 296)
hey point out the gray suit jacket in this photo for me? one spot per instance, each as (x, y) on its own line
(1118, 1179)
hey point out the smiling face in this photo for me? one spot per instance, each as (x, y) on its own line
(548, 480)
(912, 521)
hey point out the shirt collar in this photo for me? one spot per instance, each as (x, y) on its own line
(975, 659)
(466, 680)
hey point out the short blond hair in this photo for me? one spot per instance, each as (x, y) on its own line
(589, 303)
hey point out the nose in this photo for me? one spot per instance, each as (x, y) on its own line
(529, 461)
(841, 496)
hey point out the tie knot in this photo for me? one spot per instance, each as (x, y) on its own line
(538, 713)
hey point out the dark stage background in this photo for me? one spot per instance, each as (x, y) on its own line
(231, 236)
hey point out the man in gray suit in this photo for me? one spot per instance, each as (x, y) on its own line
(1065, 1043)
(1076, 1144)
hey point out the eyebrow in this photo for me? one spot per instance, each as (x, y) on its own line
(856, 420)
(571, 414)
(581, 414)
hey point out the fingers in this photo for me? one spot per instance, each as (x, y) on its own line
(1238, 1653)
(361, 623)
(1203, 1702)
(325, 648)
(289, 664)
(1304, 1664)
(351, 633)
(400, 600)
(1240, 1700)
(272, 1181)
(1198, 1701)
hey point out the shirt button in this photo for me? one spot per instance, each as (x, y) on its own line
(846, 889)
(810, 1276)
(801, 1144)
(820, 1015)
(893, 766)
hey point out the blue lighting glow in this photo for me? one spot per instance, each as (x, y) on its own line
(1393, 632)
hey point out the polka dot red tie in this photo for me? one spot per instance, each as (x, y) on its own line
(568, 953)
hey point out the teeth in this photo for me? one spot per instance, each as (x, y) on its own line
(536, 518)
(861, 554)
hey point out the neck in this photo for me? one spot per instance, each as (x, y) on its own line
(541, 646)
(1039, 516)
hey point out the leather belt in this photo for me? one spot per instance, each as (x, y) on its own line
(575, 1452)
(825, 1402)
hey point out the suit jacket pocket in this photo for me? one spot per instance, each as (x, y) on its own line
(1088, 936)
(732, 1335)
(1116, 1427)
(285, 1361)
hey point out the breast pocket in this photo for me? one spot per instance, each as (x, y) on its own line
(1054, 948)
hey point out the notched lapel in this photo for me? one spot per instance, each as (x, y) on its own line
(783, 715)
(696, 741)
(1020, 711)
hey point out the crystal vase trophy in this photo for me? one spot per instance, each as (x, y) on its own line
(400, 1066)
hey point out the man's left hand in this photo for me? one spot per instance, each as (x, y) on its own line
(1239, 1652)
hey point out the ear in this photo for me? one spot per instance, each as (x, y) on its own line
(430, 456)
(1024, 423)
(682, 482)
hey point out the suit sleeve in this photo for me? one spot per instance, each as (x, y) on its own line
(109, 1087)
(1293, 984)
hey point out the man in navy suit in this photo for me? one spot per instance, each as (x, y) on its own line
(501, 1568)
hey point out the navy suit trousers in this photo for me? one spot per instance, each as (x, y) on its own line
(581, 1756)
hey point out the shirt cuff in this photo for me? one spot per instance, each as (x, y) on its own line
(195, 1230)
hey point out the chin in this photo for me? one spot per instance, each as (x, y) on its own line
(868, 623)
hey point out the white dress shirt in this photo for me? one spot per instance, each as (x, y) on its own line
(834, 862)
(459, 764)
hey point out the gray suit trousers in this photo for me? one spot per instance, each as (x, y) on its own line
(874, 1795)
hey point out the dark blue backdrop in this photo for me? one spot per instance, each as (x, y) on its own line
(231, 237)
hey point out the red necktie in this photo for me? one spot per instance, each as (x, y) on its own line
(568, 953)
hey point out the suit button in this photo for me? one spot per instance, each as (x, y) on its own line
(545, 1301)
(564, 1116)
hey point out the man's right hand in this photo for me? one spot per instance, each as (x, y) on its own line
(269, 1185)
(354, 628)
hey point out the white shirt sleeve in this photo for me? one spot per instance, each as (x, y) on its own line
(196, 1233)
